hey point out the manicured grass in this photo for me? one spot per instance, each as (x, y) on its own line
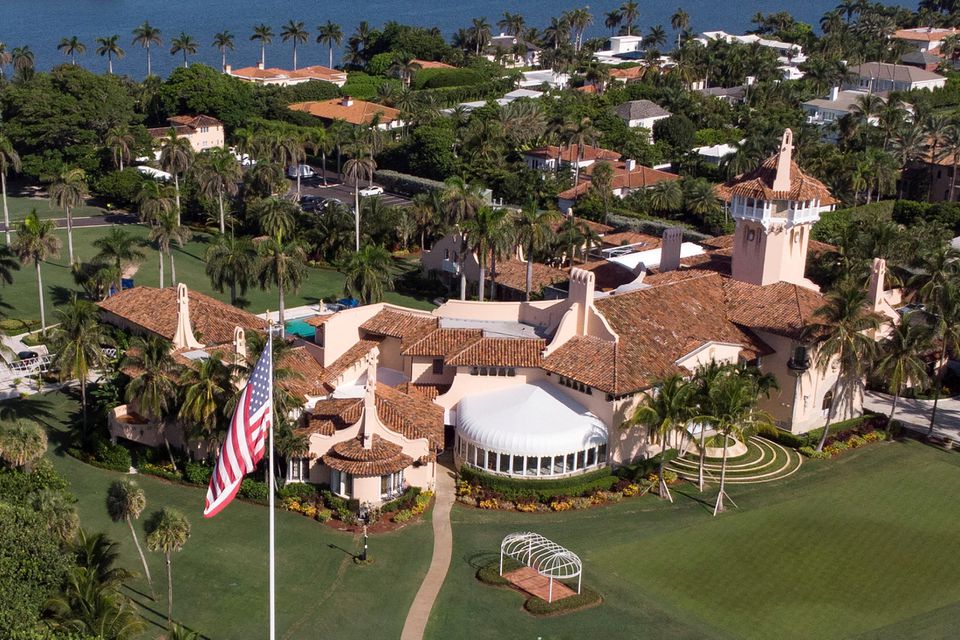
(220, 577)
(21, 206)
(861, 546)
(20, 299)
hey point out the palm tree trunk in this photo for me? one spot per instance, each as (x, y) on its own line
(723, 478)
(294, 56)
(83, 407)
(6, 211)
(893, 409)
(324, 154)
(330, 52)
(43, 316)
(173, 269)
(936, 391)
(663, 489)
(263, 55)
(176, 193)
(298, 181)
(223, 226)
(149, 70)
(143, 558)
(529, 282)
(169, 593)
(223, 60)
(160, 253)
(356, 213)
(483, 280)
(703, 456)
(233, 293)
(953, 182)
(493, 276)
(830, 413)
(70, 233)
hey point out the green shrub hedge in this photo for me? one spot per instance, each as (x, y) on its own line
(585, 598)
(513, 489)
(254, 490)
(197, 473)
(406, 184)
(437, 78)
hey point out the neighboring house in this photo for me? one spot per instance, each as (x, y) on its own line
(939, 174)
(284, 78)
(730, 95)
(881, 77)
(541, 77)
(628, 74)
(356, 112)
(621, 49)
(715, 154)
(203, 132)
(516, 94)
(431, 64)
(504, 47)
(925, 39)
(787, 52)
(921, 60)
(641, 113)
(548, 158)
(628, 176)
(822, 111)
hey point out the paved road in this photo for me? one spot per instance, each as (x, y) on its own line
(341, 191)
(915, 414)
(93, 221)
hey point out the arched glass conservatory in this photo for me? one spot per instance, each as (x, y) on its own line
(529, 431)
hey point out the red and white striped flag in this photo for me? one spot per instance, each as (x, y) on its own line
(244, 445)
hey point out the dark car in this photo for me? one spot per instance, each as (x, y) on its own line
(310, 203)
(28, 355)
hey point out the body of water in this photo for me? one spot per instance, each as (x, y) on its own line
(41, 24)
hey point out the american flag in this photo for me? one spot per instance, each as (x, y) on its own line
(244, 445)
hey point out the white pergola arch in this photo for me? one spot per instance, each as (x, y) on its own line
(548, 558)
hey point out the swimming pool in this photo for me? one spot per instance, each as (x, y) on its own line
(299, 327)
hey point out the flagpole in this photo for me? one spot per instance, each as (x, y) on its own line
(273, 594)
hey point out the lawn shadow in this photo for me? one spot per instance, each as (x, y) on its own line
(146, 604)
(339, 548)
(693, 494)
(37, 409)
(61, 295)
(480, 559)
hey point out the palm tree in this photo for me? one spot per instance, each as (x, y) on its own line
(57, 510)
(71, 47)
(153, 388)
(264, 35)
(119, 140)
(283, 265)
(665, 412)
(23, 61)
(276, 217)
(842, 336)
(358, 168)
(5, 59)
(167, 531)
(207, 387)
(480, 33)
(184, 44)
(580, 133)
(534, 232)
(9, 161)
(369, 273)
(167, 231)
(630, 12)
(680, 21)
(120, 249)
(126, 501)
(176, 154)
(79, 341)
(330, 34)
(224, 42)
(900, 363)
(483, 232)
(68, 191)
(461, 200)
(218, 174)
(110, 47)
(230, 263)
(612, 20)
(295, 32)
(656, 37)
(22, 443)
(36, 241)
(146, 36)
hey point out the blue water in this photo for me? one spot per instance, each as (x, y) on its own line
(299, 327)
(42, 23)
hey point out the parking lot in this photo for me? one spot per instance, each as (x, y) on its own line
(341, 191)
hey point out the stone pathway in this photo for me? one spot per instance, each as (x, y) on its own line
(419, 612)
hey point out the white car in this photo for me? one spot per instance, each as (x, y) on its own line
(375, 190)
(300, 170)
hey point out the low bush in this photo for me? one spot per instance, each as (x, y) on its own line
(403, 515)
(112, 456)
(323, 515)
(406, 184)
(490, 574)
(406, 500)
(301, 490)
(780, 436)
(254, 490)
(515, 490)
(334, 502)
(811, 452)
(585, 598)
(120, 188)
(13, 326)
(165, 471)
(197, 473)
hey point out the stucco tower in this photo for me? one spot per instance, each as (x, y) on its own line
(775, 207)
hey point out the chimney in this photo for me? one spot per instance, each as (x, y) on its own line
(347, 101)
(630, 164)
(581, 291)
(670, 249)
(183, 337)
(781, 182)
(370, 400)
(260, 66)
(228, 68)
(878, 274)
(834, 93)
(239, 346)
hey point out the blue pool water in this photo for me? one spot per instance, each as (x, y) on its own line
(299, 327)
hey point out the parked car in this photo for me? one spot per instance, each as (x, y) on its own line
(375, 190)
(300, 170)
(331, 202)
(311, 203)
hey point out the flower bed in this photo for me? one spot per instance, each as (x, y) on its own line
(490, 574)
(538, 500)
(852, 439)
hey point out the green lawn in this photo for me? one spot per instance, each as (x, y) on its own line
(220, 577)
(20, 206)
(20, 299)
(862, 546)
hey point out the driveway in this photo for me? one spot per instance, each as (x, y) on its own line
(915, 414)
(341, 191)
(107, 220)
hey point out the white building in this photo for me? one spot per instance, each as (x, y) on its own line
(641, 113)
(549, 77)
(885, 76)
(715, 154)
(822, 111)
(619, 45)
(788, 52)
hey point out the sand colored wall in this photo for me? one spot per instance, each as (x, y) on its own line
(711, 351)
(390, 356)
(465, 384)
(420, 371)
(447, 250)
(766, 257)
(202, 140)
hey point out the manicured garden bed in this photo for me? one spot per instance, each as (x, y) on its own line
(490, 574)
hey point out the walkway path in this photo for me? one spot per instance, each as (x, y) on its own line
(419, 612)
(915, 414)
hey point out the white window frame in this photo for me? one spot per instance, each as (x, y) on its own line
(298, 470)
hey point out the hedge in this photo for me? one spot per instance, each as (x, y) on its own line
(543, 490)
(439, 78)
(655, 226)
(585, 598)
(406, 184)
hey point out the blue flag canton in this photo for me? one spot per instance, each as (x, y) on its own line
(260, 381)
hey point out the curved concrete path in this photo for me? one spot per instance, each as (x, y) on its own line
(419, 612)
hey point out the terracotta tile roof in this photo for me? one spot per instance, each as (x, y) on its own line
(640, 177)
(327, 416)
(408, 327)
(924, 34)
(348, 359)
(512, 274)
(759, 184)
(309, 377)
(781, 308)
(586, 359)
(630, 73)
(500, 352)
(443, 342)
(155, 311)
(195, 122)
(315, 72)
(358, 112)
(597, 227)
(587, 88)
(316, 321)
(571, 153)
(608, 275)
(622, 238)
(428, 391)
(381, 458)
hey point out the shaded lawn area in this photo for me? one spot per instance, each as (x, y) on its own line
(20, 299)
(20, 206)
(862, 546)
(220, 577)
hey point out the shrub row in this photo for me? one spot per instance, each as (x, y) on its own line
(585, 598)
(847, 440)
(406, 184)
(654, 226)
(515, 490)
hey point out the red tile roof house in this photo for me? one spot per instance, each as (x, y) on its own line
(547, 158)
(203, 132)
(284, 77)
(540, 389)
(628, 176)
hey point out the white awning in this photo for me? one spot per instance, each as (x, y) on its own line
(530, 420)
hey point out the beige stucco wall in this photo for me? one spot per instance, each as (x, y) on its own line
(712, 351)
(766, 257)
(203, 140)
(420, 371)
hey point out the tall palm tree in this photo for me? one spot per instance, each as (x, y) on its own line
(368, 274)
(230, 262)
(276, 216)
(358, 168)
(120, 249)
(581, 133)
(166, 232)
(842, 335)
(23, 61)
(218, 174)
(330, 34)
(146, 36)
(480, 32)
(461, 201)
(296, 33)
(900, 363)
(185, 44)
(483, 233)
(119, 140)
(36, 241)
(110, 47)
(79, 342)
(167, 531)
(125, 502)
(176, 155)
(665, 412)
(680, 21)
(612, 20)
(9, 161)
(630, 12)
(72, 46)
(534, 232)
(68, 191)
(153, 388)
(224, 42)
(22, 443)
(207, 386)
(155, 200)
(263, 34)
(281, 265)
